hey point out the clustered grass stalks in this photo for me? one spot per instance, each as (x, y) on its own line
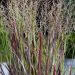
(35, 53)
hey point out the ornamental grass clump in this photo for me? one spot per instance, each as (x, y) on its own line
(37, 31)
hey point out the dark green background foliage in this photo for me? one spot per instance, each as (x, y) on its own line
(4, 43)
(70, 37)
(70, 45)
